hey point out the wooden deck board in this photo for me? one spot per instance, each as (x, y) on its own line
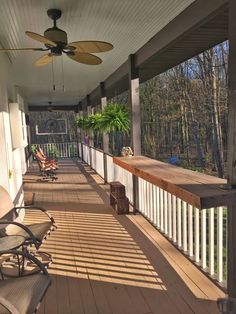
(105, 263)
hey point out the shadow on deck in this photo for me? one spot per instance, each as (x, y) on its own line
(105, 263)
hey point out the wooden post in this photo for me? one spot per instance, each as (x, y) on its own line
(90, 143)
(103, 96)
(105, 137)
(81, 136)
(89, 112)
(80, 132)
(135, 106)
(135, 122)
(231, 163)
(135, 194)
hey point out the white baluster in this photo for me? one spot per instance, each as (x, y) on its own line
(174, 218)
(162, 209)
(169, 215)
(158, 207)
(179, 222)
(211, 241)
(154, 205)
(220, 244)
(66, 145)
(203, 238)
(190, 230)
(165, 212)
(140, 194)
(151, 202)
(148, 199)
(184, 217)
(196, 236)
(145, 198)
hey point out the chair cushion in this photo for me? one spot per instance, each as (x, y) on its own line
(24, 293)
(6, 203)
(38, 229)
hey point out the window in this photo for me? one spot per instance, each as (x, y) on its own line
(51, 126)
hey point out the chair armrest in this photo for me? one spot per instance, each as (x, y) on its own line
(25, 228)
(38, 208)
(29, 256)
(9, 306)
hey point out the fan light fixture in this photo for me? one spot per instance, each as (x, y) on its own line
(55, 41)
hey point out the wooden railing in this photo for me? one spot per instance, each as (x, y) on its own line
(200, 233)
(60, 150)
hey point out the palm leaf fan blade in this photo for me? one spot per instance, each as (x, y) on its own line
(91, 46)
(44, 60)
(41, 39)
(85, 58)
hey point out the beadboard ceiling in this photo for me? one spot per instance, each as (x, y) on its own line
(127, 24)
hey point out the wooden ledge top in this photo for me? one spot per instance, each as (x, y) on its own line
(198, 189)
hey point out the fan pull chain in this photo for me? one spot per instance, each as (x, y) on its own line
(53, 76)
(62, 70)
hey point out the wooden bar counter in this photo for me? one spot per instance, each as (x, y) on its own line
(195, 188)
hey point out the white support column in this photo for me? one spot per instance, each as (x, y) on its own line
(105, 137)
(135, 106)
(89, 112)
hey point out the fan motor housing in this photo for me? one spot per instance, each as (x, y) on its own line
(56, 34)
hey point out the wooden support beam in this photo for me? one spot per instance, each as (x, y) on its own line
(231, 153)
(186, 22)
(135, 106)
(54, 107)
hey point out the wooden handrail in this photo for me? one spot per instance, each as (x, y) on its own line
(198, 189)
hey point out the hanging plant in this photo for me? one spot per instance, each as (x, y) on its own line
(115, 118)
(95, 121)
(83, 123)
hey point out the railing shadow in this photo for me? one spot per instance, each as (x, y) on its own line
(99, 253)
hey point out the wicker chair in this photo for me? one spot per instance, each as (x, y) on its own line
(23, 294)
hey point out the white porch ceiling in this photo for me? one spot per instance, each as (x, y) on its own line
(127, 24)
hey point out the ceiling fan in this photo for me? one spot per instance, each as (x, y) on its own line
(57, 108)
(55, 42)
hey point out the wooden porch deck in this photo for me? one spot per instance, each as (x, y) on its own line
(105, 263)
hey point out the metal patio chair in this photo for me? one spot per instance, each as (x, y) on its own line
(23, 295)
(35, 233)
